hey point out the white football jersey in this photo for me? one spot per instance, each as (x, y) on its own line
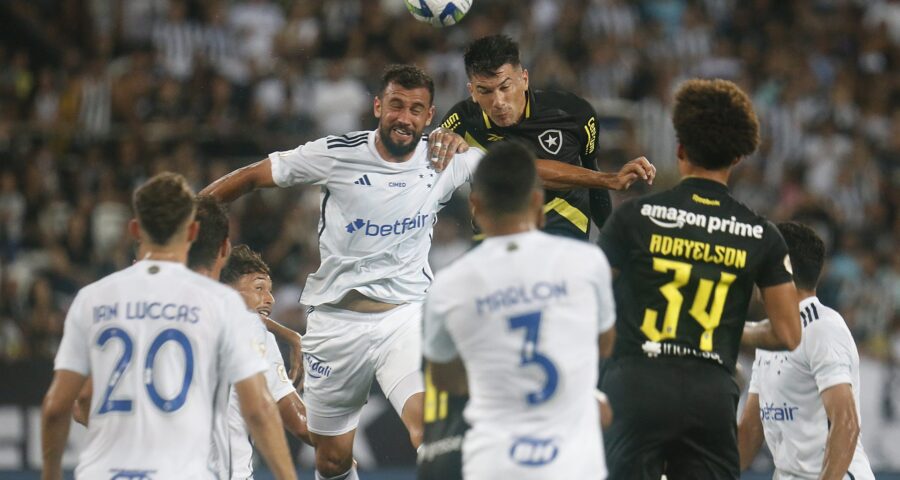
(789, 385)
(376, 216)
(279, 386)
(524, 312)
(161, 344)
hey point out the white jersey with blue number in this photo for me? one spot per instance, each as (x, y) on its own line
(376, 216)
(279, 386)
(524, 313)
(161, 344)
(790, 384)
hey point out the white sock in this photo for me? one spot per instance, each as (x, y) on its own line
(348, 475)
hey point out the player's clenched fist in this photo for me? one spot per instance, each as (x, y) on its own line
(638, 169)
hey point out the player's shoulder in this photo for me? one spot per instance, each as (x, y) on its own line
(351, 141)
(819, 320)
(464, 111)
(563, 100)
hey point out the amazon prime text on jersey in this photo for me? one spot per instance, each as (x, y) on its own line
(671, 217)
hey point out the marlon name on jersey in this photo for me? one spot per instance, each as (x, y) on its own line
(540, 292)
(148, 310)
(671, 217)
(398, 227)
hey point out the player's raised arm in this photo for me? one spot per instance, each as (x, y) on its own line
(563, 176)
(264, 422)
(241, 182)
(782, 332)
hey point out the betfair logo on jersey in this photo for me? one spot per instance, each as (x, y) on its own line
(590, 129)
(671, 217)
(771, 412)
(118, 474)
(451, 122)
(315, 367)
(399, 227)
(533, 452)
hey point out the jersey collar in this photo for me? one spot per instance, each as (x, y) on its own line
(704, 184)
(529, 100)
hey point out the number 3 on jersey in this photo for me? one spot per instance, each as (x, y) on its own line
(709, 320)
(165, 404)
(531, 322)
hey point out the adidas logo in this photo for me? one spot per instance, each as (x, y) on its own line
(363, 180)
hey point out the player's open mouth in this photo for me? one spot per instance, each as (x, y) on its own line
(264, 311)
(403, 133)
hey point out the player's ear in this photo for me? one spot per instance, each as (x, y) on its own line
(225, 248)
(376, 107)
(192, 230)
(537, 206)
(471, 90)
(134, 229)
(525, 77)
(430, 115)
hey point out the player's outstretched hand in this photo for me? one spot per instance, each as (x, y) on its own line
(638, 169)
(443, 145)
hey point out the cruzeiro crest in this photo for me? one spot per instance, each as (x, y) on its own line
(551, 140)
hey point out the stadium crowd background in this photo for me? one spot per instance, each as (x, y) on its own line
(98, 95)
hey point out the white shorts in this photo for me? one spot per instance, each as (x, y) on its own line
(343, 351)
(489, 455)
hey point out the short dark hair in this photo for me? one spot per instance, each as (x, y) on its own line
(505, 178)
(807, 251)
(242, 261)
(407, 76)
(213, 222)
(163, 204)
(715, 123)
(487, 54)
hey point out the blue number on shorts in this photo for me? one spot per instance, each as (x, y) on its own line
(531, 322)
(107, 404)
(166, 405)
(174, 403)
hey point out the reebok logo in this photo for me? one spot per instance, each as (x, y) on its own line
(398, 227)
(363, 180)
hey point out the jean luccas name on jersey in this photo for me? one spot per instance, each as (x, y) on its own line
(539, 292)
(397, 227)
(147, 310)
(671, 217)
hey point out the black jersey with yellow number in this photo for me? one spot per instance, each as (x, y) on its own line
(557, 126)
(688, 259)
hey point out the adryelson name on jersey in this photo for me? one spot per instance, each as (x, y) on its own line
(698, 251)
(520, 295)
(671, 217)
(148, 310)
(398, 227)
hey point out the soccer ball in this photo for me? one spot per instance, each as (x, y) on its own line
(439, 13)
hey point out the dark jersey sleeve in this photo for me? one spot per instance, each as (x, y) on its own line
(455, 120)
(774, 267)
(613, 239)
(600, 201)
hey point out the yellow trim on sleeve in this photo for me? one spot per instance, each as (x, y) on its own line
(567, 211)
(487, 120)
(474, 143)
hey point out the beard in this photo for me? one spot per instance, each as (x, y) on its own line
(394, 148)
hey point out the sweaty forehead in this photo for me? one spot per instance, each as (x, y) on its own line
(394, 91)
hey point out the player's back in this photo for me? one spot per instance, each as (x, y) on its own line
(160, 344)
(689, 258)
(525, 312)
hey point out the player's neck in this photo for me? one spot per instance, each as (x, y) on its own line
(689, 169)
(506, 226)
(803, 294)
(165, 253)
(211, 273)
(387, 155)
